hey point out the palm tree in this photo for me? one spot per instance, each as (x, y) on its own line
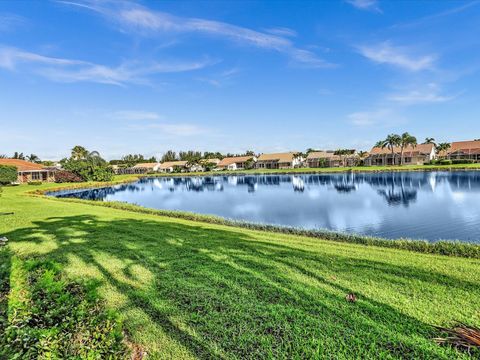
(443, 147)
(33, 158)
(79, 153)
(430, 140)
(405, 140)
(392, 141)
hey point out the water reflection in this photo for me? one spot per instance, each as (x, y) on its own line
(401, 204)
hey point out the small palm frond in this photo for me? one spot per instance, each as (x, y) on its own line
(461, 336)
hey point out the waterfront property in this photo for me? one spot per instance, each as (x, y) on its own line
(288, 160)
(236, 163)
(389, 204)
(412, 155)
(173, 166)
(464, 150)
(146, 167)
(184, 288)
(316, 159)
(28, 171)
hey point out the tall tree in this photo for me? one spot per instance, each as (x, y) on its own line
(170, 155)
(430, 140)
(19, 156)
(406, 140)
(392, 141)
(33, 158)
(443, 147)
(79, 153)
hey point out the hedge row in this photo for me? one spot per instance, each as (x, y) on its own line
(8, 174)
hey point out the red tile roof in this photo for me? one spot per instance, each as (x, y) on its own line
(279, 157)
(233, 160)
(22, 165)
(468, 147)
(409, 150)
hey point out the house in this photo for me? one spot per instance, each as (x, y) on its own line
(464, 150)
(412, 155)
(288, 160)
(174, 166)
(317, 159)
(143, 168)
(210, 161)
(236, 163)
(28, 171)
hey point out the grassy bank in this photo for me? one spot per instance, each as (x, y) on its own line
(188, 289)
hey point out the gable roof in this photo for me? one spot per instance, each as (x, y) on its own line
(22, 165)
(146, 165)
(233, 160)
(465, 146)
(409, 150)
(169, 164)
(322, 155)
(279, 157)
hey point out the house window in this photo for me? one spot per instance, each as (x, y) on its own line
(408, 159)
(36, 176)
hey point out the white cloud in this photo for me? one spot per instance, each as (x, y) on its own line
(136, 115)
(385, 53)
(10, 21)
(428, 94)
(71, 70)
(132, 16)
(371, 5)
(368, 118)
(282, 31)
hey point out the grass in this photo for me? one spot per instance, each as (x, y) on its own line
(187, 290)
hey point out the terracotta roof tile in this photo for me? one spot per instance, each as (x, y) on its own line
(22, 165)
(280, 157)
(232, 160)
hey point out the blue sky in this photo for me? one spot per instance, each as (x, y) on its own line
(145, 77)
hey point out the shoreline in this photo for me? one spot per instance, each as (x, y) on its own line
(442, 247)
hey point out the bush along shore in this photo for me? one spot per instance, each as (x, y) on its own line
(45, 316)
(449, 248)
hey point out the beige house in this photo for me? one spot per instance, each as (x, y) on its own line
(412, 155)
(463, 150)
(236, 162)
(317, 159)
(28, 171)
(288, 160)
(171, 166)
(143, 168)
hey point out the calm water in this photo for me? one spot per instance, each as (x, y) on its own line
(433, 206)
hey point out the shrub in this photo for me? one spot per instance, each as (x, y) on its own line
(463, 161)
(51, 317)
(444, 162)
(34, 183)
(8, 174)
(65, 176)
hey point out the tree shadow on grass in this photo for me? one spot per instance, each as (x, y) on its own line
(223, 294)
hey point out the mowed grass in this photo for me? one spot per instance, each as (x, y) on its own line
(189, 290)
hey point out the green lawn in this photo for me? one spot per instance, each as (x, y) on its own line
(194, 290)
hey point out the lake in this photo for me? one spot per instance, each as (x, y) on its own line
(417, 205)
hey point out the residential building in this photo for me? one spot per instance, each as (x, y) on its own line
(236, 163)
(28, 171)
(464, 150)
(288, 160)
(412, 155)
(143, 168)
(328, 158)
(174, 166)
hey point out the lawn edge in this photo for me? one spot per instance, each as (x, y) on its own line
(444, 247)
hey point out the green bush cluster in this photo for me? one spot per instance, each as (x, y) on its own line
(450, 162)
(8, 174)
(52, 318)
(35, 183)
